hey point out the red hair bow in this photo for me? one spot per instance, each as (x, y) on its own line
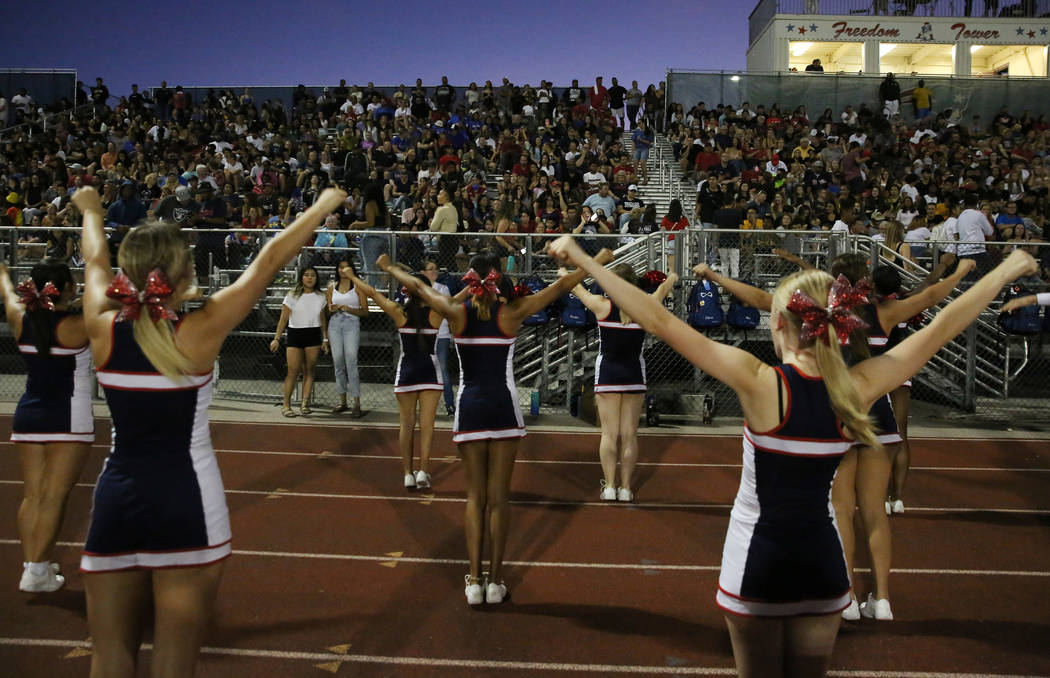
(155, 296)
(34, 299)
(842, 299)
(478, 287)
(653, 279)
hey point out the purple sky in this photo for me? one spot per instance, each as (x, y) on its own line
(233, 42)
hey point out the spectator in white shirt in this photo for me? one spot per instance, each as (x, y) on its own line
(973, 229)
(849, 117)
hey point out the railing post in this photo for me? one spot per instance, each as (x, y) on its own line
(970, 385)
(570, 345)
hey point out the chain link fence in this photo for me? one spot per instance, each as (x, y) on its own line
(986, 376)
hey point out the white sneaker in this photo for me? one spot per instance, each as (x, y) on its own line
(410, 481)
(422, 480)
(898, 506)
(494, 593)
(877, 609)
(53, 566)
(475, 594)
(608, 493)
(46, 583)
(889, 507)
(623, 494)
(851, 613)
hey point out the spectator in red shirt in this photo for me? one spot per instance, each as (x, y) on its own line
(599, 96)
(673, 221)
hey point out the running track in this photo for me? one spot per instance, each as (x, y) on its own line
(339, 571)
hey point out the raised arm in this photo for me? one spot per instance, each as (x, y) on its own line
(877, 376)
(226, 308)
(661, 292)
(595, 303)
(97, 271)
(525, 306)
(439, 303)
(736, 368)
(388, 306)
(12, 302)
(891, 313)
(749, 294)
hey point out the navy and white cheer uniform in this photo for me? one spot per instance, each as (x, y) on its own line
(783, 556)
(417, 367)
(882, 409)
(159, 501)
(897, 335)
(620, 366)
(56, 407)
(487, 405)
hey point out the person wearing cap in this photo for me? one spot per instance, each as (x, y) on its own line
(178, 208)
(627, 204)
(210, 251)
(775, 164)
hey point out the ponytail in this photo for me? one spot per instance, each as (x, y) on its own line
(40, 319)
(845, 400)
(157, 341)
(146, 247)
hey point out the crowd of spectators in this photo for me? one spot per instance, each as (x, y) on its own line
(433, 164)
(905, 178)
(439, 165)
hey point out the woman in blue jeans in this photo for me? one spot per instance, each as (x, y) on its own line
(347, 305)
(373, 245)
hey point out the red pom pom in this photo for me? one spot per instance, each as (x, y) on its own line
(653, 279)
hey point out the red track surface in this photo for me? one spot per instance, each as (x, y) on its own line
(331, 552)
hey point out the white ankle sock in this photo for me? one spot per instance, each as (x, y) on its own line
(39, 569)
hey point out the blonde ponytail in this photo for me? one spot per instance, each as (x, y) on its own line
(146, 247)
(845, 400)
(157, 341)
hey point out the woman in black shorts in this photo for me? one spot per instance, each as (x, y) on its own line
(302, 312)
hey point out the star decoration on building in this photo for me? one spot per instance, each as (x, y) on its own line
(791, 28)
(1031, 34)
(1020, 31)
(1042, 31)
(801, 30)
(812, 28)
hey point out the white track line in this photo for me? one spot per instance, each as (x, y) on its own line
(491, 664)
(417, 497)
(578, 462)
(394, 457)
(567, 565)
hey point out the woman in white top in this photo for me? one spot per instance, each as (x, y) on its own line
(347, 304)
(302, 312)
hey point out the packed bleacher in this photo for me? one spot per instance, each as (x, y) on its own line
(898, 179)
(507, 159)
(430, 162)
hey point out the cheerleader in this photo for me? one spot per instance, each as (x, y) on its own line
(53, 426)
(488, 420)
(418, 382)
(784, 580)
(160, 529)
(619, 382)
(864, 475)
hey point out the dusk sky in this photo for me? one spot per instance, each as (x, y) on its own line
(229, 43)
